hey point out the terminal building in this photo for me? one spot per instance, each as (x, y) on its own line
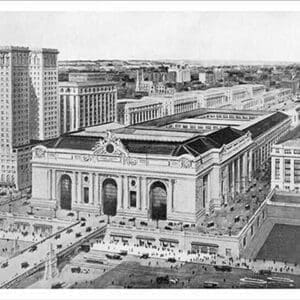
(149, 168)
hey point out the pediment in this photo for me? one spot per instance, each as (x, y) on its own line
(110, 146)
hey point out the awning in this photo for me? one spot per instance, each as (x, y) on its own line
(169, 240)
(119, 234)
(42, 225)
(143, 237)
(204, 244)
(22, 223)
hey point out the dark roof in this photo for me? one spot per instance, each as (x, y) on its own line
(264, 125)
(150, 147)
(72, 142)
(293, 134)
(194, 146)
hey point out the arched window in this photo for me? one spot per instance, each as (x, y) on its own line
(158, 201)
(109, 196)
(65, 192)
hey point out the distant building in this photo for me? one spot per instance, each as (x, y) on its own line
(292, 84)
(183, 74)
(207, 77)
(85, 104)
(86, 76)
(286, 162)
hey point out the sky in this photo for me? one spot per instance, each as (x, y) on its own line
(247, 36)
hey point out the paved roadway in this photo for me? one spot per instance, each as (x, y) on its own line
(14, 269)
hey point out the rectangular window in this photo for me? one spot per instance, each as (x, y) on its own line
(251, 230)
(132, 198)
(297, 171)
(287, 170)
(86, 195)
(277, 169)
(228, 252)
(244, 241)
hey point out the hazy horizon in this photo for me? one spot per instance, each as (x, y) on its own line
(201, 36)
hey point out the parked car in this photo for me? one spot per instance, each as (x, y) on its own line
(162, 279)
(123, 252)
(143, 223)
(82, 224)
(78, 234)
(24, 265)
(88, 229)
(174, 280)
(33, 248)
(58, 285)
(122, 223)
(114, 256)
(75, 269)
(223, 268)
(4, 265)
(57, 236)
(144, 256)
(70, 214)
(210, 284)
(83, 219)
(69, 230)
(265, 272)
(171, 260)
(168, 228)
(59, 246)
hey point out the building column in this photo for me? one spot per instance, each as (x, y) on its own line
(238, 175)
(49, 188)
(143, 193)
(54, 183)
(65, 114)
(120, 193)
(126, 202)
(250, 166)
(172, 194)
(76, 187)
(233, 179)
(99, 183)
(208, 194)
(244, 172)
(138, 194)
(226, 184)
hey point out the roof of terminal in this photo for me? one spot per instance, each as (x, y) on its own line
(194, 145)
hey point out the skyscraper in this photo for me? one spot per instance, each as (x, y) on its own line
(43, 109)
(28, 108)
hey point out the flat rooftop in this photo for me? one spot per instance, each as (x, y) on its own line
(291, 139)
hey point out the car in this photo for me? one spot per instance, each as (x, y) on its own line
(25, 203)
(4, 265)
(24, 265)
(223, 268)
(171, 260)
(85, 271)
(88, 229)
(58, 285)
(210, 284)
(57, 236)
(102, 221)
(174, 280)
(95, 261)
(59, 246)
(69, 230)
(113, 256)
(143, 223)
(83, 219)
(265, 272)
(33, 248)
(144, 256)
(122, 223)
(85, 247)
(168, 228)
(78, 234)
(186, 226)
(75, 269)
(131, 219)
(123, 252)
(70, 214)
(82, 224)
(162, 279)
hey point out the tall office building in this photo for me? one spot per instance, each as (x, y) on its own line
(85, 104)
(44, 100)
(28, 108)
